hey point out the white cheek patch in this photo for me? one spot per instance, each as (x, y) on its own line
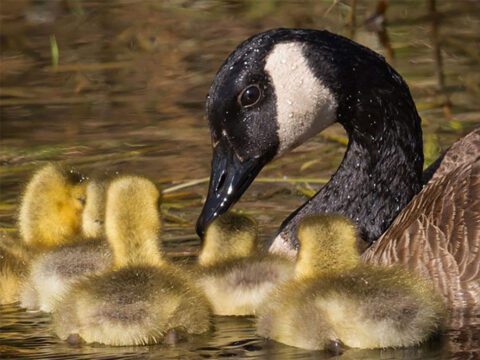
(305, 106)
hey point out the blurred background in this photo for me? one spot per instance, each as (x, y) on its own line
(119, 86)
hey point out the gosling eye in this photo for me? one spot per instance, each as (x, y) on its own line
(250, 96)
(82, 200)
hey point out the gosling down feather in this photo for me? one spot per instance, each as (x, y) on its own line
(234, 273)
(337, 301)
(51, 207)
(49, 216)
(143, 299)
(54, 271)
(13, 272)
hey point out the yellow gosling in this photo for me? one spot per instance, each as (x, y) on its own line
(132, 222)
(231, 236)
(234, 274)
(50, 215)
(53, 272)
(143, 299)
(93, 215)
(51, 208)
(336, 300)
(13, 271)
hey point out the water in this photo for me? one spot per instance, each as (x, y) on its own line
(127, 95)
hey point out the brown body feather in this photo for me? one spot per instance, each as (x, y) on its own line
(438, 233)
(464, 151)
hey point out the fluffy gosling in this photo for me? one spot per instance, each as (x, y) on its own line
(54, 272)
(50, 215)
(336, 300)
(51, 208)
(143, 299)
(234, 274)
(13, 271)
(93, 215)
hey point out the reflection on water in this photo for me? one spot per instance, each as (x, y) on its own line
(25, 334)
(127, 95)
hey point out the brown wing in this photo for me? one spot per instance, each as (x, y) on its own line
(438, 235)
(464, 151)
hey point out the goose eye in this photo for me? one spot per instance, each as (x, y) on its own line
(249, 96)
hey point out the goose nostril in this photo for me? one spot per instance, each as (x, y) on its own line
(221, 181)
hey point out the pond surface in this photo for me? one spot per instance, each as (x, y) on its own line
(120, 86)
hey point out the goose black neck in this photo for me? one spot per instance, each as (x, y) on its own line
(382, 168)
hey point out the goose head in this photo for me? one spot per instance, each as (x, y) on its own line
(281, 87)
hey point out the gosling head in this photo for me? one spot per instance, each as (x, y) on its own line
(93, 216)
(328, 243)
(51, 208)
(132, 221)
(230, 236)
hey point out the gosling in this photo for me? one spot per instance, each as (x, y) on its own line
(234, 274)
(51, 208)
(93, 215)
(54, 272)
(13, 271)
(336, 301)
(50, 215)
(143, 299)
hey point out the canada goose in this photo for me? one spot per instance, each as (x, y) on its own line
(337, 300)
(234, 274)
(143, 299)
(280, 87)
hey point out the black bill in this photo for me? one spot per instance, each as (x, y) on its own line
(229, 179)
